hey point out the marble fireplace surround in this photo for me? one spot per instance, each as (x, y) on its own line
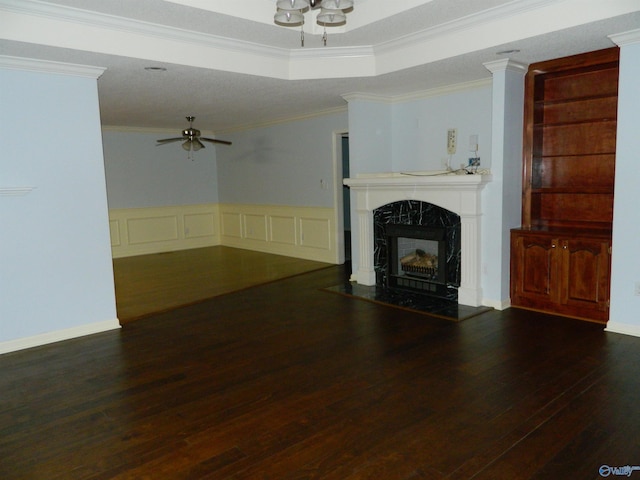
(457, 193)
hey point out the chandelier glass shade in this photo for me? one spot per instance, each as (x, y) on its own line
(333, 13)
(289, 18)
(331, 18)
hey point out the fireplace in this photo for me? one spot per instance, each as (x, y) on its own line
(417, 259)
(417, 249)
(457, 194)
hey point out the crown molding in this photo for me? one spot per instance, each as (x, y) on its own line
(166, 131)
(296, 118)
(47, 66)
(457, 26)
(418, 95)
(149, 130)
(508, 22)
(626, 38)
(15, 191)
(138, 27)
(506, 64)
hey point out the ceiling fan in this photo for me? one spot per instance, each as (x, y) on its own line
(191, 138)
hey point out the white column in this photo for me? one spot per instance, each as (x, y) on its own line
(366, 271)
(502, 198)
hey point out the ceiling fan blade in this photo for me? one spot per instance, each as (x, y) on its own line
(214, 140)
(168, 140)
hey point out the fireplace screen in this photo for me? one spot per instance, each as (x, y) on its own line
(417, 258)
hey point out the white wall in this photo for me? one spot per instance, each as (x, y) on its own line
(55, 259)
(625, 269)
(284, 164)
(141, 174)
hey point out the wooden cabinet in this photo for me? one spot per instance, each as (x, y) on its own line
(561, 274)
(560, 255)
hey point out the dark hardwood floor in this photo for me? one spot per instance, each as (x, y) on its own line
(288, 381)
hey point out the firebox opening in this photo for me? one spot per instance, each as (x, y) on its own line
(417, 259)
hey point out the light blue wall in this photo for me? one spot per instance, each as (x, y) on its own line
(370, 137)
(420, 130)
(625, 305)
(281, 164)
(141, 174)
(55, 256)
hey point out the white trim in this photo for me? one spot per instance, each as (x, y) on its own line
(420, 94)
(506, 64)
(59, 335)
(624, 328)
(280, 121)
(626, 38)
(47, 66)
(15, 191)
(497, 304)
(34, 21)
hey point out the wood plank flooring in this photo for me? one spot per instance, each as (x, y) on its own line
(287, 381)
(148, 284)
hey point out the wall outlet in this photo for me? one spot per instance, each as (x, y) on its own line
(452, 135)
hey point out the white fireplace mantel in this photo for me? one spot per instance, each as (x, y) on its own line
(457, 193)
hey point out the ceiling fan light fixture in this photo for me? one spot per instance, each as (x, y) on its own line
(191, 139)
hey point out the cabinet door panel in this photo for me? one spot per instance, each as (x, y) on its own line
(536, 267)
(585, 273)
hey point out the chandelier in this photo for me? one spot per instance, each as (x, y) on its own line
(333, 13)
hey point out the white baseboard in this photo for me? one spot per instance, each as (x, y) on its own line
(497, 304)
(58, 335)
(624, 328)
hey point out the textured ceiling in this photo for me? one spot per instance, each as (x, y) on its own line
(224, 97)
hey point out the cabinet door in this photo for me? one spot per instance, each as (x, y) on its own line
(534, 270)
(585, 273)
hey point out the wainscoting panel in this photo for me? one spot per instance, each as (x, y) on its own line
(231, 224)
(283, 229)
(152, 229)
(301, 232)
(141, 231)
(198, 225)
(255, 227)
(114, 229)
(315, 233)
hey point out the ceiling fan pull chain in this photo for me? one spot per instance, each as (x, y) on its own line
(302, 35)
(324, 37)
